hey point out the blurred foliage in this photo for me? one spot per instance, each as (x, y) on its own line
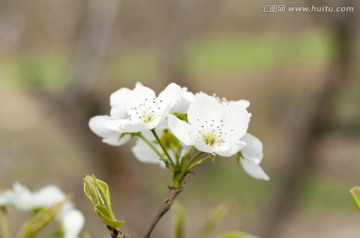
(226, 54)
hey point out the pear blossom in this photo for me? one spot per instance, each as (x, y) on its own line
(72, 221)
(252, 155)
(21, 198)
(213, 126)
(103, 125)
(138, 110)
(144, 153)
(10, 198)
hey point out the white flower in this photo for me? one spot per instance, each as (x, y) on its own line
(144, 153)
(16, 195)
(46, 197)
(72, 221)
(253, 154)
(101, 125)
(104, 127)
(214, 126)
(138, 110)
(179, 98)
(21, 198)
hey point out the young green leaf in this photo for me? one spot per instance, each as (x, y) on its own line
(98, 194)
(355, 194)
(39, 221)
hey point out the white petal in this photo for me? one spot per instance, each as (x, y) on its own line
(118, 101)
(133, 126)
(180, 129)
(244, 103)
(47, 196)
(236, 120)
(15, 196)
(253, 169)
(171, 94)
(178, 98)
(139, 95)
(254, 148)
(117, 139)
(230, 148)
(204, 108)
(118, 114)
(22, 197)
(72, 223)
(98, 125)
(188, 96)
(159, 120)
(224, 149)
(144, 153)
(200, 145)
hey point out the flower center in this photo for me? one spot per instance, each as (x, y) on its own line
(147, 111)
(209, 137)
(211, 132)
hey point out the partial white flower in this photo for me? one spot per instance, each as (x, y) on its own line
(179, 98)
(15, 196)
(71, 220)
(104, 127)
(21, 198)
(214, 126)
(253, 154)
(144, 153)
(72, 223)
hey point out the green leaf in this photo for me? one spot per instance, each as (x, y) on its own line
(110, 222)
(89, 192)
(179, 220)
(169, 140)
(107, 217)
(235, 234)
(355, 194)
(104, 191)
(209, 225)
(104, 211)
(39, 221)
(98, 194)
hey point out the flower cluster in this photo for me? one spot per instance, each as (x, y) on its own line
(21, 198)
(179, 129)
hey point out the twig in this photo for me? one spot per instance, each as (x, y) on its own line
(165, 206)
(115, 233)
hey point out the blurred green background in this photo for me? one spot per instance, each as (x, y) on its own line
(60, 60)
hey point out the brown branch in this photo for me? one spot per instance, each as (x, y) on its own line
(115, 233)
(165, 206)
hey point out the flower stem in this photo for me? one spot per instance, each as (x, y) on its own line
(178, 179)
(5, 224)
(201, 161)
(165, 206)
(163, 148)
(152, 146)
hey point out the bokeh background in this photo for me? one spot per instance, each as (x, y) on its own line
(61, 59)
